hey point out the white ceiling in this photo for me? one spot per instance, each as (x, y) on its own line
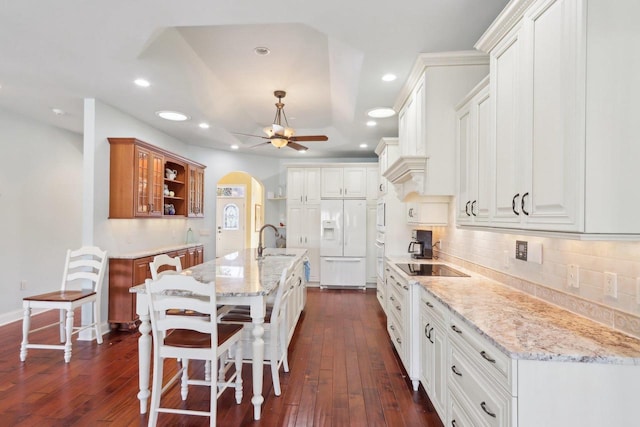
(198, 55)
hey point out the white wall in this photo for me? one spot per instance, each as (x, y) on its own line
(41, 213)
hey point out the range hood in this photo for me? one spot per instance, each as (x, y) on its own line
(408, 174)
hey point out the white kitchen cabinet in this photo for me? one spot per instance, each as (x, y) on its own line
(372, 183)
(563, 85)
(303, 231)
(388, 152)
(347, 182)
(433, 351)
(426, 122)
(432, 213)
(398, 314)
(472, 135)
(371, 238)
(303, 185)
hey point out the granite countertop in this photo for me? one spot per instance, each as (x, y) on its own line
(522, 326)
(241, 273)
(155, 251)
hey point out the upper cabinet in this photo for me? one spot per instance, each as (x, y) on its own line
(564, 150)
(146, 181)
(303, 185)
(388, 152)
(426, 122)
(343, 182)
(472, 135)
(196, 191)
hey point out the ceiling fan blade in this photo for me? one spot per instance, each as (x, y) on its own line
(260, 145)
(297, 146)
(248, 134)
(309, 138)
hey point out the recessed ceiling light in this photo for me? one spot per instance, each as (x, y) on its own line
(204, 125)
(174, 116)
(389, 77)
(142, 82)
(371, 123)
(381, 113)
(363, 145)
(234, 147)
(58, 111)
(262, 51)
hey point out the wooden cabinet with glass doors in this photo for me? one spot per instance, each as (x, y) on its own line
(146, 181)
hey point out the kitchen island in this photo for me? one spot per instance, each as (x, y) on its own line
(240, 279)
(489, 354)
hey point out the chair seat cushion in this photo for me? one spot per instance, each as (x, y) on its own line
(61, 296)
(240, 316)
(193, 339)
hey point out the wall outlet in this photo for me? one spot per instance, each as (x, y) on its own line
(23, 285)
(573, 276)
(611, 284)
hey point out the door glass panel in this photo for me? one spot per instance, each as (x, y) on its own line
(231, 217)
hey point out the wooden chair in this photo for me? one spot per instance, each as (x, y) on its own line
(190, 338)
(164, 263)
(275, 330)
(83, 266)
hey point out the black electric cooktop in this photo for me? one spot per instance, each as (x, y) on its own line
(430, 270)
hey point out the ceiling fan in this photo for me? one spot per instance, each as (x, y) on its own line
(279, 135)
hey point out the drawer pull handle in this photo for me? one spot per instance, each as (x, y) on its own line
(398, 308)
(455, 370)
(455, 329)
(483, 405)
(429, 304)
(406, 288)
(487, 357)
(453, 423)
(392, 298)
(398, 340)
(393, 328)
(426, 330)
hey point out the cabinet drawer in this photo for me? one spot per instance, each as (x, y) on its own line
(432, 307)
(397, 286)
(488, 402)
(458, 413)
(496, 364)
(396, 305)
(397, 336)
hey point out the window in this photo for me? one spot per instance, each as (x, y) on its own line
(231, 215)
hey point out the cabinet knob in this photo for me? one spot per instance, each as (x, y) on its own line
(513, 204)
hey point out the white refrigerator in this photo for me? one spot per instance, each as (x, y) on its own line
(343, 243)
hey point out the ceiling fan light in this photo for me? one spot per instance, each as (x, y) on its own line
(289, 132)
(279, 142)
(269, 131)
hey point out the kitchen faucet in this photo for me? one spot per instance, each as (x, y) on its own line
(260, 247)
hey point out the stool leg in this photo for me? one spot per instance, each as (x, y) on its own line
(239, 372)
(69, 331)
(26, 325)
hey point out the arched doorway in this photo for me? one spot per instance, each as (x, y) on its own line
(239, 212)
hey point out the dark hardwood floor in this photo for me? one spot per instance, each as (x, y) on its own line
(344, 372)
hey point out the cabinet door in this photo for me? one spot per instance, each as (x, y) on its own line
(373, 184)
(332, 183)
(199, 259)
(295, 185)
(149, 194)
(295, 221)
(196, 192)
(418, 145)
(190, 260)
(354, 182)
(506, 82)
(482, 162)
(141, 270)
(464, 136)
(312, 185)
(556, 152)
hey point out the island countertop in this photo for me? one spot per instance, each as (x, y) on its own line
(523, 326)
(241, 273)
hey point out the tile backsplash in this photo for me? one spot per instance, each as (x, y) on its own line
(491, 254)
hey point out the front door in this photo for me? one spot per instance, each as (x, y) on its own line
(230, 220)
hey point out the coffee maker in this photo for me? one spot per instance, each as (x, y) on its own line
(421, 245)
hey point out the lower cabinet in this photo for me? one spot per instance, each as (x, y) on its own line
(125, 273)
(433, 351)
(398, 313)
